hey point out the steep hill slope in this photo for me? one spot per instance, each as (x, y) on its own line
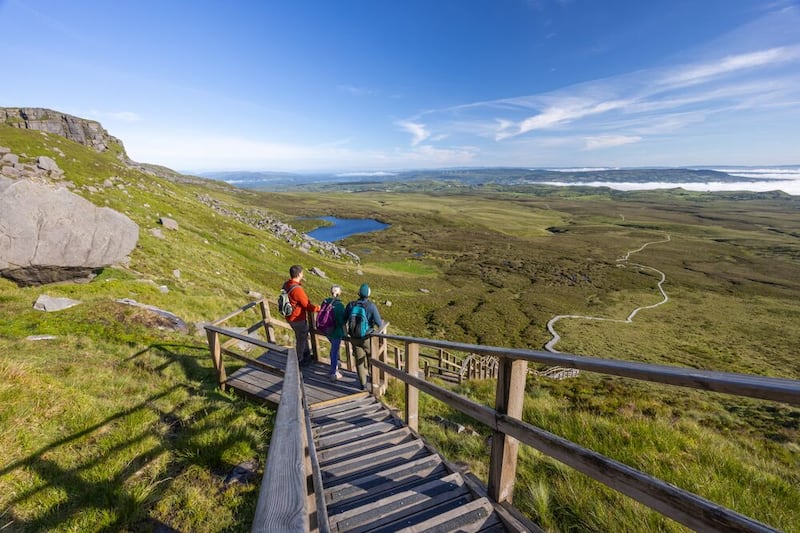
(113, 421)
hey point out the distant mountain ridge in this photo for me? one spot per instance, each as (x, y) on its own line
(481, 176)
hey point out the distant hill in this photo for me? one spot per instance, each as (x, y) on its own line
(478, 176)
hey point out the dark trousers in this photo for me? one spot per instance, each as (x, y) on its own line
(361, 349)
(300, 328)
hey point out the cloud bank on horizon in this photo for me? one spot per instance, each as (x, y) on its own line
(345, 88)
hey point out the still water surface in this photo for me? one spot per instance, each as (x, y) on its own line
(345, 227)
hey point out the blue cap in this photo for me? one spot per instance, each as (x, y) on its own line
(364, 291)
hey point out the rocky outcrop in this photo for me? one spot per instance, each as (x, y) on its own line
(49, 234)
(257, 219)
(86, 132)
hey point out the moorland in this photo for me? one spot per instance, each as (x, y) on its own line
(116, 424)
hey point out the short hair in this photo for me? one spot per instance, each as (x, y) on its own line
(336, 290)
(295, 271)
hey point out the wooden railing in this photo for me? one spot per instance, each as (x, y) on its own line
(504, 420)
(284, 501)
(509, 429)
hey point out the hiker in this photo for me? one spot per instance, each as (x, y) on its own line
(362, 315)
(301, 305)
(330, 322)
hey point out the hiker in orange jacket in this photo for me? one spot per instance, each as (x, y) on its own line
(301, 306)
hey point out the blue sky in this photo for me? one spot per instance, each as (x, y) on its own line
(379, 85)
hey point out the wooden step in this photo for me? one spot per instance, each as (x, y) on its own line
(342, 406)
(341, 416)
(362, 489)
(357, 433)
(363, 446)
(380, 460)
(395, 507)
(355, 422)
(473, 516)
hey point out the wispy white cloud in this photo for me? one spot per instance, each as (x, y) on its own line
(718, 94)
(730, 64)
(417, 130)
(607, 141)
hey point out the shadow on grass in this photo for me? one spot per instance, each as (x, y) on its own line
(184, 431)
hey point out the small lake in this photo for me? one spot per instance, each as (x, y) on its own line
(345, 227)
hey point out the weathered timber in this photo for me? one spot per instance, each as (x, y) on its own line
(508, 401)
(412, 393)
(682, 506)
(246, 338)
(392, 480)
(766, 388)
(235, 313)
(282, 504)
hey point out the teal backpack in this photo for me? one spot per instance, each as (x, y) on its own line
(357, 321)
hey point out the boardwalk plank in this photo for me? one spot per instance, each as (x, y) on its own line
(383, 440)
(378, 460)
(342, 406)
(357, 433)
(401, 504)
(373, 485)
(353, 422)
(472, 516)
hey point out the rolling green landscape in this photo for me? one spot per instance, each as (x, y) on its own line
(116, 423)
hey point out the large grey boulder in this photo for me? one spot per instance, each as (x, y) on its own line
(49, 234)
(53, 303)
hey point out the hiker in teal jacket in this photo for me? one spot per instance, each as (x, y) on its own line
(337, 334)
(361, 347)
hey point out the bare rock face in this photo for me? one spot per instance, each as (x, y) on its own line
(87, 132)
(50, 234)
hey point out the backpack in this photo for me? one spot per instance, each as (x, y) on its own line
(326, 321)
(357, 321)
(284, 305)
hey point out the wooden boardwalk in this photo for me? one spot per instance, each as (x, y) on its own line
(341, 461)
(380, 476)
(265, 381)
(377, 474)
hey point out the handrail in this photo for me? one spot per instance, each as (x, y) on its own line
(283, 502)
(685, 507)
(282, 499)
(766, 388)
(505, 421)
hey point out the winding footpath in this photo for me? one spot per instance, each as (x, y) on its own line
(551, 323)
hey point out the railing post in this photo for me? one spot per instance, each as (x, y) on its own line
(397, 361)
(412, 393)
(216, 356)
(384, 358)
(265, 315)
(508, 401)
(375, 352)
(312, 332)
(348, 350)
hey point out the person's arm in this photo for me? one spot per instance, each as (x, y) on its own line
(303, 301)
(375, 319)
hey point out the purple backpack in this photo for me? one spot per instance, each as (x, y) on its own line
(326, 322)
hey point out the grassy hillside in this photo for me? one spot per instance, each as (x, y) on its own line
(506, 261)
(117, 425)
